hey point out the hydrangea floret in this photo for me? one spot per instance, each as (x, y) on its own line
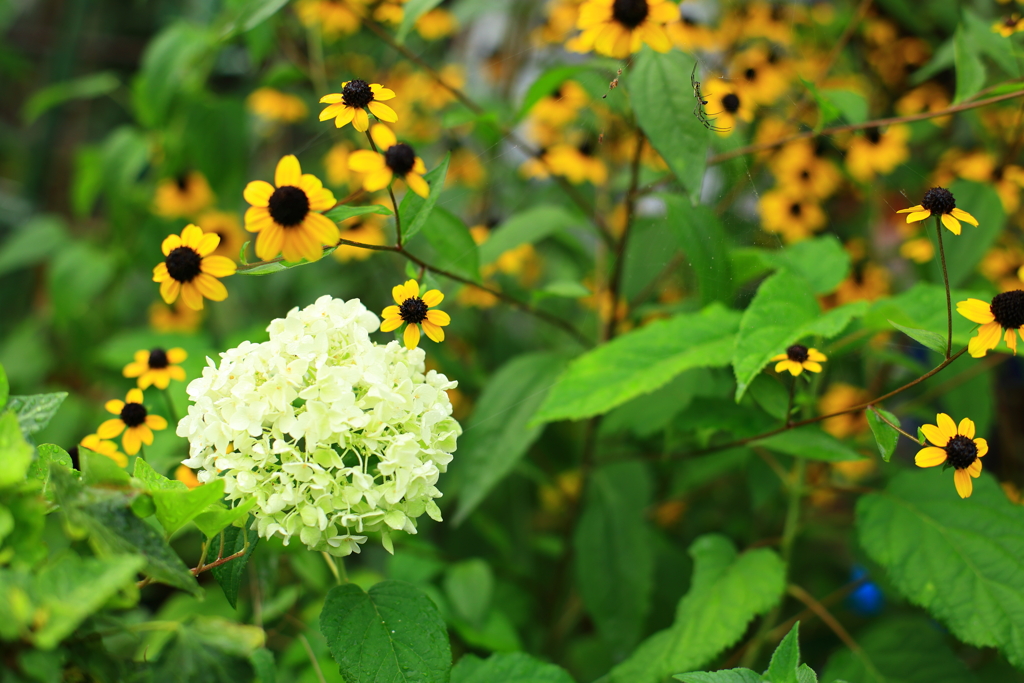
(334, 435)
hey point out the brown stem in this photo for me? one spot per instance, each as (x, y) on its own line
(894, 426)
(822, 613)
(615, 284)
(945, 280)
(196, 571)
(789, 406)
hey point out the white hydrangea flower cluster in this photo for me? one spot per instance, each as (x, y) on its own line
(334, 435)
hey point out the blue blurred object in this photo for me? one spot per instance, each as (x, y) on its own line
(867, 600)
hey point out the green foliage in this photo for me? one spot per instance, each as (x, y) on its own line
(970, 71)
(704, 241)
(230, 575)
(84, 87)
(514, 667)
(35, 412)
(811, 443)
(17, 454)
(885, 436)
(174, 509)
(414, 209)
(526, 227)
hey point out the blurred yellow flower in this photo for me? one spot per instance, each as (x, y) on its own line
(437, 23)
(183, 196)
(93, 443)
(275, 105)
(186, 476)
(333, 17)
(156, 367)
(794, 216)
(365, 229)
(562, 106)
(841, 396)
(877, 153)
(175, 318)
(228, 227)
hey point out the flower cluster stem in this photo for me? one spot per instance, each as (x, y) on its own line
(945, 281)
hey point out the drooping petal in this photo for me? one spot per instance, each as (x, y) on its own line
(288, 171)
(210, 287)
(439, 318)
(964, 216)
(433, 297)
(345, 117)
(912, 209)
(434, 332)
(169, 290)
(360, 120)
(930, 457)
(383, 112)
(974, 469)
(331, 98)
(131, 441)
(110, 428)
(976, 310)
(655, 35)
(377, 180)
(952, 224)
(1011, 340)
(217, 266)
(966, 428)
(417, 184)
(332, 111)
(962, 479)
(411, 336)
(391, 324)
(383, 137)
(986, 339)
(191, 296)
(982, 446)
(258, 192)
(418, 167)
(918, 216)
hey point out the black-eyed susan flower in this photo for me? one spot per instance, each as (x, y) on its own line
(191, 269)
(619, 28)
(792, 215)
(956, 446)
(133, 419)
(332, 17)
(758, 75)
(798, 358)
(562, 106)
(1003, 317)
(725, 105)
(356, 97)
(157, 367)
(275, 105)
(412, 311)
(183, 196)
(228, 227)
(176, 318)
(437, 23)
(939, 201)
(95, 444)
(688, 33)
(1008, 25)
(394, 158)
(877, 153)
(286, 217)
(802, 169)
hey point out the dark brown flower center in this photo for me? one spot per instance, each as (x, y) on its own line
(288, 205)
(797, 353)
(938, 200)
(750, 74)
(133, 414)
(731, 102)
(183, 264)
(630, 13)
(400, 158)
(795, 209)
(182, 182)
(356, 93)
(873, 135)
(158, 359)
(1008, 309)
(805, 174)
(961, 452)
(413, 310)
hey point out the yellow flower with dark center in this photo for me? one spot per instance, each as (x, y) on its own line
(333, 17)
(437, 23)
(619, 28)
(956, 447)
(562, 106)
(576, 163)
(394, 158)
(876, 152)
(1003, 317)
(176, 318)
(795, 217)
(191, 269)
(929, 97)
(356, 97)
(689, 34)
(798, 358)
(228, 228)
(1009, 25)
(95, 444)
(939, 201)
(134, 420)
(725, 104)
(183, 196)
(802, 169)
(157, 367)
(366, 229)
(412, 311)
(286, 217)
(757, 75)
(275, 105)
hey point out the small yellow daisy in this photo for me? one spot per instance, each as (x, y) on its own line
(157, 367)
(957, 446)
(412, 312)
(95, 444)
(356, 97)
(798, 358)
(134, 420)
(394, 158)
(1003, 317)
(191, 269)
(939, 201)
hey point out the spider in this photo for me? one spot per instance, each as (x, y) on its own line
(698, 109)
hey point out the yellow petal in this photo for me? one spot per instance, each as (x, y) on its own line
(170, 243)
(391, 324)
(258, 192)
(269, 242)
(433, 331)
(345, 117)
(332, 98)
(208, 244)
(391, 312)
(114, 406)
(439, 318)
(974, 469)
(191, 236)
(169, 290)
(1011, 340)
(411, 336)
(930, 457)
(380, 93)
(982, 446)
(935, 435)
(412, 288)
(433, 298)
(399, 294)
(986, 339)
(811, 366)
(134, 396)
(131, 441)
(816, 355)
(962, 479)
(953, 225)
(912, 209)
(964, 216)
(377, 180)
(417, 184)
(383, 137)
(217, 266)
(946, 425)
(288, 171)
(365, 161)
(110, 428)
(976, 310)
(918, 216)
(360, 121)
(966, 428)
(332, 111)
(191, 296)
(383, 112)
(210, 287)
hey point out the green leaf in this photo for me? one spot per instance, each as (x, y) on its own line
(639, 362)
(175, 509)
(852, 105)
(805, 674)
(999, 49)
(497, 435)
(247, 15)
(175, 61)
(970, 71)
(262, 661)
(962, 560)
(827, 110)
(230, 574)
(527, 227)
(451, 246)
(81, 88)
(885, 436)
(786, 658)
(393, 634)
(152, 480)
(340, 213)
(512, 667)
(964, 252)
(100, 470)
(218, 517)
(932, 340)
(5, 387)
(15, 452)
(706, 246)
(34, 242)
(414, 9)
(822, 261)
(46, 454)
(905, 649)
(614, 558)
(658, 86)
(414, 209)
(546, 84)
(810, 443)
(35, 412)
(469, 587)
(727, 591)
(727, 676)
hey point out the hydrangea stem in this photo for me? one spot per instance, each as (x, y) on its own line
(945, 281)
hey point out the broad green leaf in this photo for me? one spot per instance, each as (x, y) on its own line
(692, 473)
(546, 84)
(964, 252)
(414, 209)
(340, 213)
(451, 246)
(650, 413)
(175, 509)
(970, 71)
(231, 574)
(941, 60)
(932, 340)
(827, 110)
(512, 667)
(414, 9)
(15, 452)
(218, 517)
(46, 454)
(904, 649)
(469, 587)
(124, 155)
(885, 436)
(786, 658)
(805, 674)
(811, 443)
(152, 480)
(262, 661)
(176, 60)
(923, 307)
(526, 227)
(1000, 50)
(639, 362)
(613, 553)
(726, 676)
(962, 560)
(5, 387)
(393, 634)
(568, 289)
(497, 436)
(87, 180)
(246, 15)
(822, 261)
(208, 649)
(705, 245)
(100, 470)
(32, 243)
(35, 412)
(852, 105)
(727, 591)
(83, 87)
(658, 86)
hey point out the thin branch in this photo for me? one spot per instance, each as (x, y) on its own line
(620, 249)
(312, 657)
(822, 612)
(887, 421)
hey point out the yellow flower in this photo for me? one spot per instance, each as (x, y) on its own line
(577, 164)
(939, 201)
(190, 268)
(336, 166)
(157, 367)
(437, 23)
(688, 34)
(286, 217)
(956, 446)
(1009, 25)
(350, 105)
(275, 105)
(841, 396)
(758, 76)
(1002, 317)
(365, 229)
(465, 168)
(867, 282)
(331, 16)
(412, 312)
(93, 443)
(228, 227)
(801, 169)
(176, 318)
(394, 159)
(725, 104)
(560, 20)
(562, 106)
(798, 358)
(183, 196)
(186, 476)
(929, 97)
(132, 419)
(619, 28)
(918, 250)
(876, 152)
(790, 215)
